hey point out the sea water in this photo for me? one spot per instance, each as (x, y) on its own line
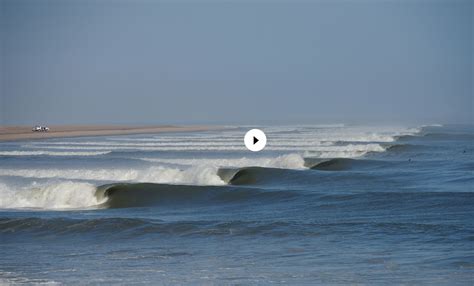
(321, 204)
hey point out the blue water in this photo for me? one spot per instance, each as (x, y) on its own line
(328, 204)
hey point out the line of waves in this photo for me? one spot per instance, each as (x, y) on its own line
(196, 172)
(53, 153)
(350, 148)
(69, 191)
(78, 195)
(235, 185)
(199, 175)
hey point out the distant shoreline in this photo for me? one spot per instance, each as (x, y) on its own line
(14, 133)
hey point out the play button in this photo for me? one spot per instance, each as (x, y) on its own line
(255, 140)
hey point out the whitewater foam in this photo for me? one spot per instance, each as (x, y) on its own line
(194, 142)
(190, 147)
(51, 153)
(197, 171)
(62, 195)
(289, 161)
(346, 151)
(199, 175)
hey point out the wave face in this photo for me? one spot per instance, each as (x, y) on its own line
(147, 194)
(336, 164)
(248, 175)
(198, 208)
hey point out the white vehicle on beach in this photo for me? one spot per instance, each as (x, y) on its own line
(39, 128)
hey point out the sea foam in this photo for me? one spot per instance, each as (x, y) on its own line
(61, 195)
(51, 153)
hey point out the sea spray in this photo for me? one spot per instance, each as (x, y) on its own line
(62, 195)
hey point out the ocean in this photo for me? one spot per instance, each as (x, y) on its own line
(321, 204)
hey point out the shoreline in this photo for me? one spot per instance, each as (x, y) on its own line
(17, 133)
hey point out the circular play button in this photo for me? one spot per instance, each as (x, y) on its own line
(255, 140)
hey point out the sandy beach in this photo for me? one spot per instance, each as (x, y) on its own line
(12, 133)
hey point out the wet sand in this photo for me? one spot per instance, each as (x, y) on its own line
(12, 133)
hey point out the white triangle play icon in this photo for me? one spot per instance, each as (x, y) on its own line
(255, 140)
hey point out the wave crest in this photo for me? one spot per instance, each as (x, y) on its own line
(63, 195)
(200, 175)
(52, 153)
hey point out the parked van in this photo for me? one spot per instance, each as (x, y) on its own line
(39, 128)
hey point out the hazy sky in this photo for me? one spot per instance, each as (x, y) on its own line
(249, 62)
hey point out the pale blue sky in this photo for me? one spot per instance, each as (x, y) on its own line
(252, 62)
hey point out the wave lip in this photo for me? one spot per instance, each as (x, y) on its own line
(336, 164)
(345, 151)
(200, 175)
(256, 175)
(343, 164)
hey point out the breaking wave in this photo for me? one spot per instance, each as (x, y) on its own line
(199, 175)
(289, 161)
(77, 195)
(405, 147)
(63, 195)
(257, 175)
(347, 151)
(342, 164)
(148, 194)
